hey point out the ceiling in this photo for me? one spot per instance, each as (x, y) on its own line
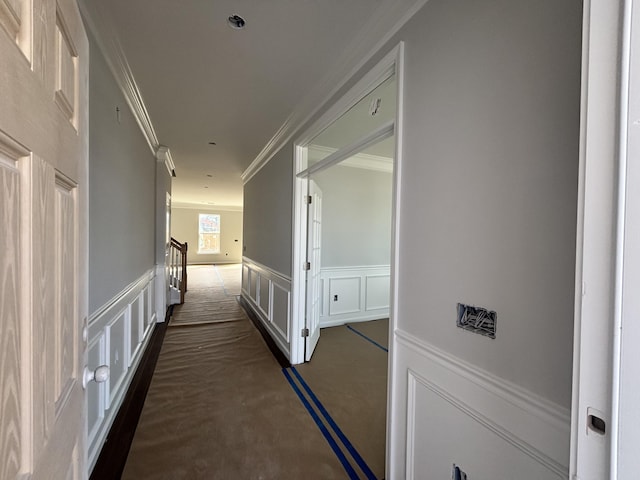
(202, 81)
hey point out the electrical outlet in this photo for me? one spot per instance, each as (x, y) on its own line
(477, 320)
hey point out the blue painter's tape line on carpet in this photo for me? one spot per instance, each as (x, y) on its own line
(345, 441)
(332, 443)
(367, 338)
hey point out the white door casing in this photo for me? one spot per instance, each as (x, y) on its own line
(625, 418)
(43, 243)
(597, 243)
(314, 250)
(390, 65)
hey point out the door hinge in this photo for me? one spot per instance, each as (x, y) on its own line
(309, 199)
(305, 332)
(306, 266)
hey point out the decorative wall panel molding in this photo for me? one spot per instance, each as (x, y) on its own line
(118, 334)
(354, 294)
(529, 434)
(269, 295)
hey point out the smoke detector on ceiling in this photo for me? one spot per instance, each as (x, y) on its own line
(236, 21)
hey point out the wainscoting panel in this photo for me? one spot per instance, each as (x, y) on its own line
(344, 295)
(450, 405)
(253, 285)
(377, 292)
(245, 278)
(136, 326)
(281, 310)
(96, 391)
(354, 294)
(269, 296)
(151, 314)
(118, 334)
(265, 298)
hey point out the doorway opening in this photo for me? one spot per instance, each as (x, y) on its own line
(359, 135)
(349, 213)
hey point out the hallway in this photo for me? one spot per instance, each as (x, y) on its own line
(219, 405)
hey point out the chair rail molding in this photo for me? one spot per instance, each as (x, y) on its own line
(529, 430)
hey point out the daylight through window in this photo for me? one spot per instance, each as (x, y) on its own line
(208, 233)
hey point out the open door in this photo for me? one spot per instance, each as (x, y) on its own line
(43, 240)
(314, 249)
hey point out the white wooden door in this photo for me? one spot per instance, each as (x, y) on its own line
(314, 249)
(43, 238)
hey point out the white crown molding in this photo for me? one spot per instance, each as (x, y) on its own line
(207, 207)
(164, 155)
(100, 23)
(388, 19)
(364, 161)
(369, 162)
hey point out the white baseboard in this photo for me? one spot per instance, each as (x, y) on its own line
(339, 322)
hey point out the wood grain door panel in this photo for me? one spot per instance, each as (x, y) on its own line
(43, 242)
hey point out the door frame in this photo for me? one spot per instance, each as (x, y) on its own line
(391, 63)
(626, 388)
(606, 266)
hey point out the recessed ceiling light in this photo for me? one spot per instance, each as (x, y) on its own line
(236, 22)
(206, 186)
(209, 175)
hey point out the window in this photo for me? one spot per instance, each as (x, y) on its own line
(208, 233)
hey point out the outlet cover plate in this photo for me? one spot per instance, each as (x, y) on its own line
(477, 320)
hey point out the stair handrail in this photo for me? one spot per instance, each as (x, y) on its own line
(178, 266)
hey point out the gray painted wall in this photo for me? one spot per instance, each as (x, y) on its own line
(489, 184)
(184, 228)
(356, 216)
(122, 172)
(268, 213)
